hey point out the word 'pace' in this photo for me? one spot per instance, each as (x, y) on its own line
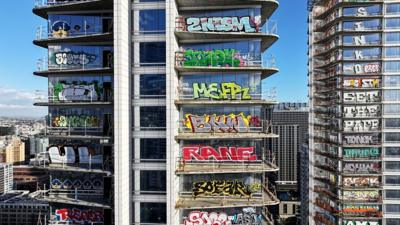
(225, 91)
(220, 154)
(361, 125)
(248, 216)
(224, 24)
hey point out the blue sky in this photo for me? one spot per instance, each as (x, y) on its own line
(18, 56)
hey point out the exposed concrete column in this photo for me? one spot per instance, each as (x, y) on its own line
(122, 113)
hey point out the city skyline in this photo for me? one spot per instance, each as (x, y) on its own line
(19, 89)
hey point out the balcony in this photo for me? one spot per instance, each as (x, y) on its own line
(43, 7)
(327, 10)
(228, 99)
(243, 29)
(209, 127)
(225, 60)
(260, 199)
(43, 69)
(234, 165)
(44, 37)
(268, 6)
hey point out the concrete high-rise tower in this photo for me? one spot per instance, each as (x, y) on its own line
(354, 80)
(166, 96)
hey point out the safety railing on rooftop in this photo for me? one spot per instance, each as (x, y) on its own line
(44, 3)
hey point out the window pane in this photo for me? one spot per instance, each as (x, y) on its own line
(392, 52)
(392, 221)
(152, 53)
(153, 148)
(392, 208)
(392, 8)
(392, 194)
(152, 86)
(392, 37)
(153, 181)
(392, 123)
(392, 180)
(392, 151)
(153, 118)
(152, 21)
(153, 212)
(392, 166)
(392, 137)
(393, 23)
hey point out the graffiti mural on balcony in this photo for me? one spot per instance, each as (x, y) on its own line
(223, 91)
(76, 121)
(361, 209)
(361, 111)
(68, 184)
(206, 153)
(361, 97)
(361, 152)
(246, 24)
(224, 188)
(215, 58)
(361, 83)
(361, 125)
(74, 58)
(361, 68)
(361, 181)
(249, 216)
(361, 195)
(361, 139)
(78, 216)
(358, 222)
(63, 91)
(362, 168)
(225, 123)
(60, 29)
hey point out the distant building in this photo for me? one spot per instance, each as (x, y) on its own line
(6, 178)
(12, 150)
(30, 178)
(6, 130)
(18, 208)
(38, 144)
(290, 122)
(303, 183)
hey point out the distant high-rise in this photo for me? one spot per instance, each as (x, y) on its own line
(354, 80)
(6, 177)
(12, 150)
(290, 122)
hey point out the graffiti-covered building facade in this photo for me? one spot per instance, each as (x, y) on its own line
(78, 65)
(354, 129)
(162, 102)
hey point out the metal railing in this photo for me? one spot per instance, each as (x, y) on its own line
(42, 64)
(209, 59)
(42, 33)
(44, 3)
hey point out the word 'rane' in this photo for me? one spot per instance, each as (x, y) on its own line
(220, 154)
(225, 91)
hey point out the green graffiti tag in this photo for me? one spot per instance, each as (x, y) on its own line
(361, 152)
(214, 58)
(223, 91)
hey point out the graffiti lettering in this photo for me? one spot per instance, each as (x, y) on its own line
(78, 216)
(360, 140)
(361, 125)
(226, 91)
(74, 58)
(76, 121)
(249, 216)
(224, 24)
(361, 195)
(86, 184)
(361, 111)
(221, 154)
(361, 181)
(215, 58)
(356, 222)
(226, 123)
(361, 97)
(224, 188)
(361, 152)
(361, 83)
(362, 168)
